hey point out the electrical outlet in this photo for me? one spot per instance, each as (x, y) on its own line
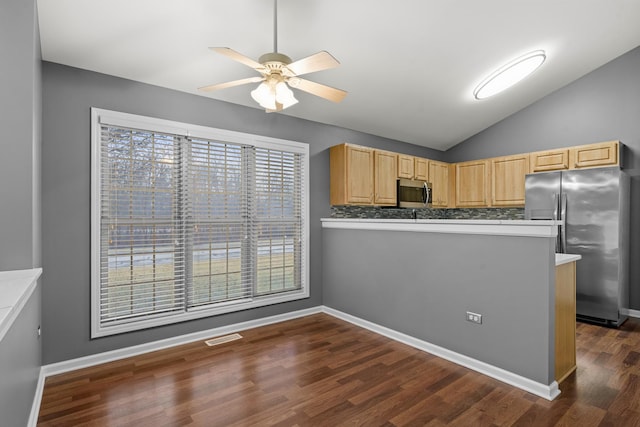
(474, 317)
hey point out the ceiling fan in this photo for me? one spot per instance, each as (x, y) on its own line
(278, 73)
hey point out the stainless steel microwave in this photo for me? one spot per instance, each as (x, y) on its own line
(414, 193)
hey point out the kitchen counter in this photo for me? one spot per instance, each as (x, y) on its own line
(566, 258)
(15, 289)
(528, 228)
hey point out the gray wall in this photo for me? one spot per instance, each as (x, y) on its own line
(422, 284)
(68, 94)
(20, 237)
(601, 106)
(20, 142)
(20, 361)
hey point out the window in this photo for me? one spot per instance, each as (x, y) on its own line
(190, 221)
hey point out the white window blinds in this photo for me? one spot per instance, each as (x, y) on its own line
(277, 221)
(218, 219)
(141, 262)
(192, 226)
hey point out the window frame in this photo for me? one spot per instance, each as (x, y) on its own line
(101, 117)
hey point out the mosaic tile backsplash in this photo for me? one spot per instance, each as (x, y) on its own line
(371, 212)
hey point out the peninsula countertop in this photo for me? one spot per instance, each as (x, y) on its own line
(497, 227)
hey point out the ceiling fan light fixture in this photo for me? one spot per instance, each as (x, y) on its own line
(509, 74)
(265, 96)
(269, 94)
(284, 95)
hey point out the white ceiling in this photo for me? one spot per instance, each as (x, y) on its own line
(409, 65)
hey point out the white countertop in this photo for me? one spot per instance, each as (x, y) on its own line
(566, 258)
(544, 228)
(15, 289)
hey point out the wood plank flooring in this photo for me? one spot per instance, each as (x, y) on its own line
(321, 371)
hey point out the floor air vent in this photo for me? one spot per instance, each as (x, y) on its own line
(222, 340)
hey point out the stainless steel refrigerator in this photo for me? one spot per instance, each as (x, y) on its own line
(593, 205)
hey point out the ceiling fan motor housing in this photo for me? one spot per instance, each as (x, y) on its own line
(274, 60)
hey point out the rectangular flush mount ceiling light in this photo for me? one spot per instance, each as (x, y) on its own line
(509, 74)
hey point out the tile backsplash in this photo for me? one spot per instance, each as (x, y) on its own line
(372, 212)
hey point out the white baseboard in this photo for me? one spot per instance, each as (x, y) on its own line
(548, 392)
(631, 313)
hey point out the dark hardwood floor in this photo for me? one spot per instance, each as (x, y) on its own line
(321, 371)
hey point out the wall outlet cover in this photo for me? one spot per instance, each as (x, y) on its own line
(474, 317)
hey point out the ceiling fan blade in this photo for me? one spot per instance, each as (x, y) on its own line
(236, 56)
(317, 89)
(316, 62)
(231, 84)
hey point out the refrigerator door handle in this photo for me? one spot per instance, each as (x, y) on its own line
(557, 216)
(563, 227)
(559, 245)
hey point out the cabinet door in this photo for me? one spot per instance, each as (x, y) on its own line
(421, 168)
(385, 178)
(472, 184)
(592, 155)
(405, 166)
(359, 175)
(439, 179)
(552, 160)
(507, 177)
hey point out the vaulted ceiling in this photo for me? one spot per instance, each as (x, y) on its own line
(409, 66)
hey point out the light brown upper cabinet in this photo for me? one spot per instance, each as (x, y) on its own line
(413, 167)
(552, 160)
(507, 180)
(362, 176)
(579, 157)
(439, 179)
(472, 183)
(405, 166)
(365, 176)
(421, 168)
(594, 155)
(351, 175)
(385, 172)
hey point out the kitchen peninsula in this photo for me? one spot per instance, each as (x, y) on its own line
(420, 281)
